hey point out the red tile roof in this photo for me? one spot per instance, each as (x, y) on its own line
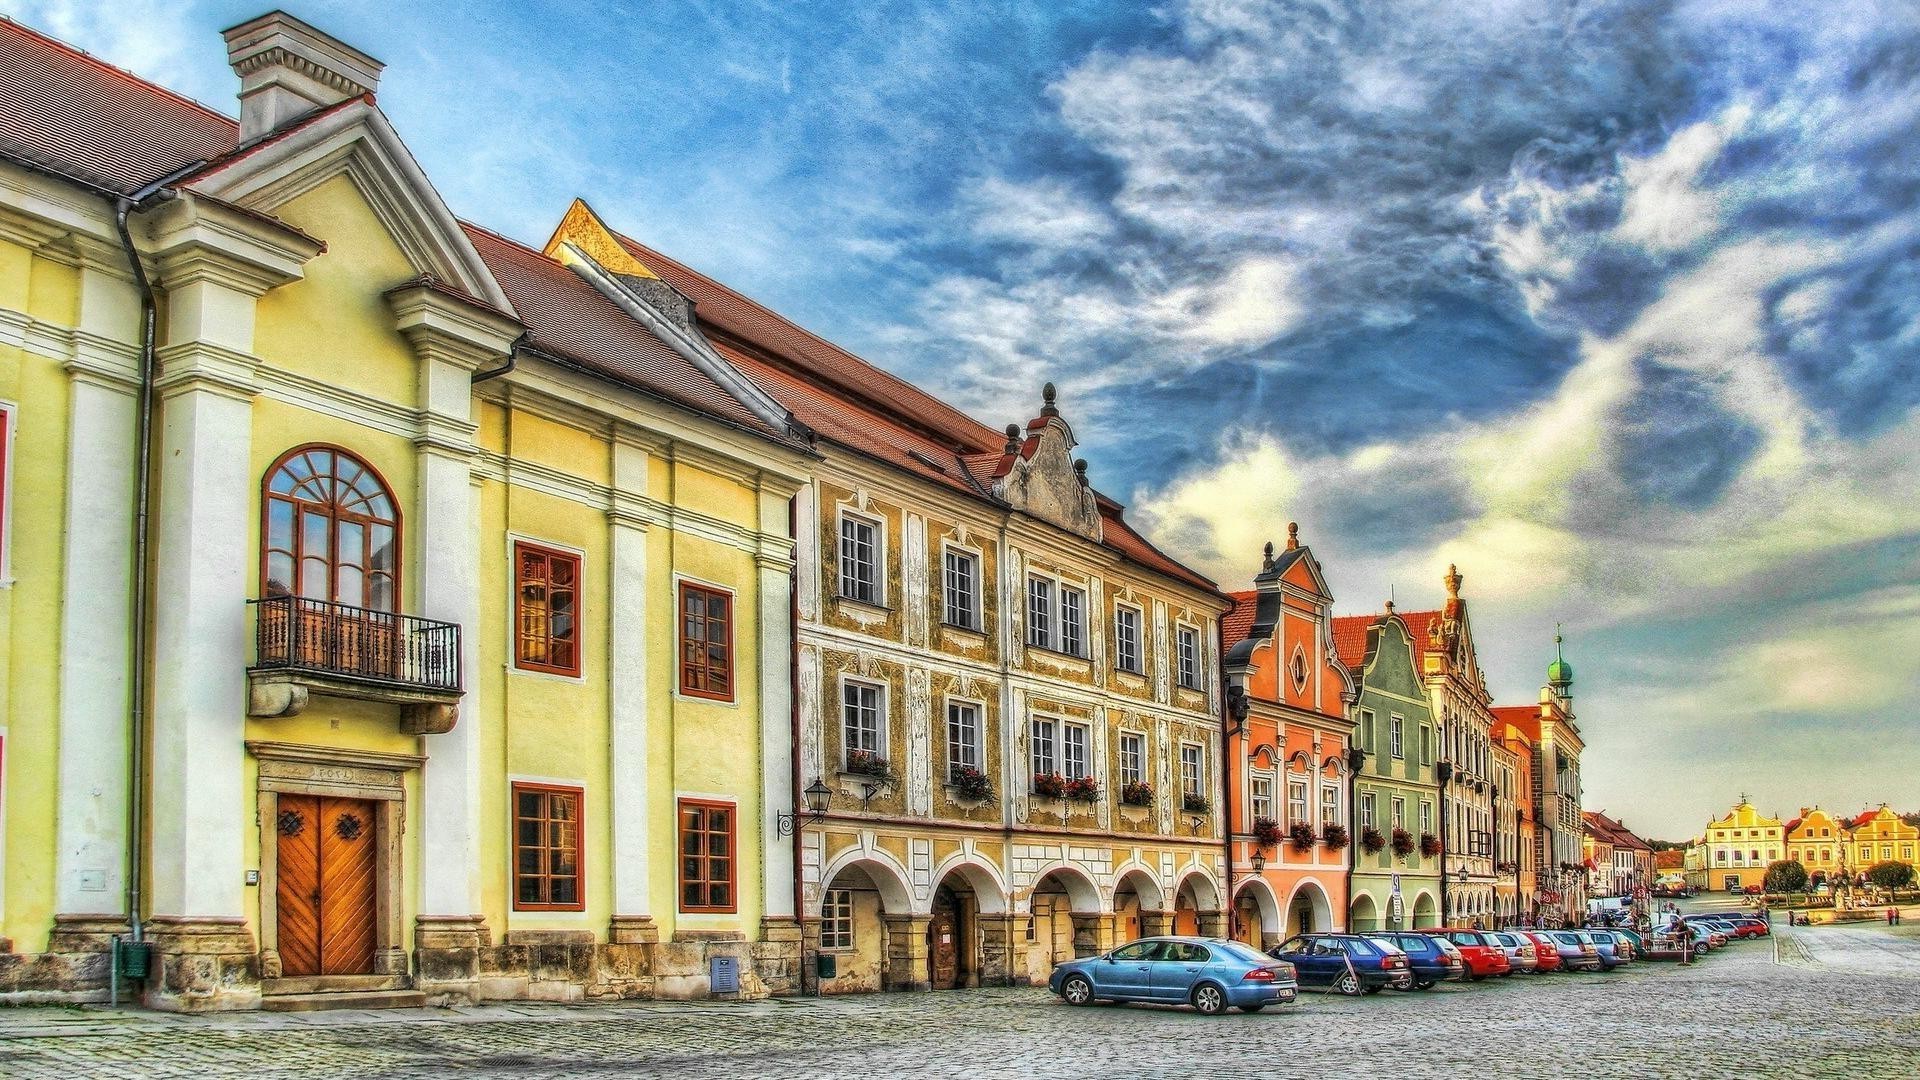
(69, 112)
(567, 317)
(1236, 624)
(1350, 639)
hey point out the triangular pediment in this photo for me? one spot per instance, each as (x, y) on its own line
(355, 139)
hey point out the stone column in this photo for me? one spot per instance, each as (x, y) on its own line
(627, 705)
(999, 948)
(907, 967)
(1156, 923)
(1092, 934)
(97, 595)
(452, 338)
(1213, 924)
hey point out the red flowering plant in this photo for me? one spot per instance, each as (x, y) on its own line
(1301, 835)
(1429, 845)
(1266, 831)
(1402, 843)
(1335, 837)
(971, 783)
(869, 763)
(1372, 840)
(1137, 793)
(1084, 788)
(1049, 785)
(1196, 803)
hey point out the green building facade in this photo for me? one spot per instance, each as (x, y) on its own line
(1395, 886)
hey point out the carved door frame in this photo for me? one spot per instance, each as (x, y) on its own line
(336, 773)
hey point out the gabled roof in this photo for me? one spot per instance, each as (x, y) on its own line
(1350, 638)
(72, 113)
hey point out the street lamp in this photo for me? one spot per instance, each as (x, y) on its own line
(818, 797)
(1258, 862)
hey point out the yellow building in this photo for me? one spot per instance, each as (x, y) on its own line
(1880, 836)
(1814, 840)
(1740, 846)
(461, 609)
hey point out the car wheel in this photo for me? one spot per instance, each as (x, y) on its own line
(1348, 984)
(1077, 990)
(1209, 999)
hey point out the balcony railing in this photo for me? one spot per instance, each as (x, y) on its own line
(293, 633)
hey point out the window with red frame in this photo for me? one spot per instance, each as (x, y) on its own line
(546, 600)
(546, 848)
(706, 642)
(706, 856)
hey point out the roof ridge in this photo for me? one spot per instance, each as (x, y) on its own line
(123, 73)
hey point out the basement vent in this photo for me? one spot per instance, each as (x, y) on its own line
(723, 972)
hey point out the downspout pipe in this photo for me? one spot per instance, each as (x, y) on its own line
(1445, 773)
(124, 206)
(1356, 760)
(1229, 762)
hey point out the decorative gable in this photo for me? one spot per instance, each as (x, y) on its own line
(1038, 474)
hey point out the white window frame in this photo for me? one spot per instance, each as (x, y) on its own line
(836, 920)
(1366, 809)
(1120, 640)
(1259, 802)
(1426, 817)
(1399, 808)
(1193, 769)
(972, 557)
(1136, 770)
(1187, 663)
(879, 527)
(1039, 630)
(1426, 744)
(1052, 635)
(880, 719)
(1073, 619)
(1396, 736)
(1371, 737)
(1072, 731)
(1035, 727)
(979, 729)
(1329, 805)
(1298, 809)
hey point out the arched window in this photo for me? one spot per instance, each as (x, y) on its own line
(332, 531)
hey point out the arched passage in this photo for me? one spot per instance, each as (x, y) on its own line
(864, 893)
(1257, 913)
(967, 925)
(1063, 911)
(1196, 905)
(1426, 912)
(1364, 914)
(1308, 910)
(1138, 902)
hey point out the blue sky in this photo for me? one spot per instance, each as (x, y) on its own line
(1615, 304)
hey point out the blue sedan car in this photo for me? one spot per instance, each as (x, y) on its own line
(1208, 973)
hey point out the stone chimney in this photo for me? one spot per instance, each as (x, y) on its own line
(288, 69)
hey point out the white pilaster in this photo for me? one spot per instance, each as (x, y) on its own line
(776, 569)
(97, 591)
(627, 675)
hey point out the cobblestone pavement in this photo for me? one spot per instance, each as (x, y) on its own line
(1820, 1002)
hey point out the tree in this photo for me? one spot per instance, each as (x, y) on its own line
(1786, 876)
(1890, 875)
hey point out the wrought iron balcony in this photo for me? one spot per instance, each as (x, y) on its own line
(304, 646)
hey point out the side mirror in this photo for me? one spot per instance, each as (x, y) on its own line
(1109, 959)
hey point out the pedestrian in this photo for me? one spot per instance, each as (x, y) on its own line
(1890, 916)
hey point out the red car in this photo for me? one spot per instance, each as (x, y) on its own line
(1546, 957)
(1483, 955)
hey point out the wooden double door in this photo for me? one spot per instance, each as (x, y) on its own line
(326, 888)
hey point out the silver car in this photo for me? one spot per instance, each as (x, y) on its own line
(1520, 951)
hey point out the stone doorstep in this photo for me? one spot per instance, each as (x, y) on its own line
(331, 984)
(368, 999)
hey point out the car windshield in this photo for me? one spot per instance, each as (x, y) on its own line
(1242, 952)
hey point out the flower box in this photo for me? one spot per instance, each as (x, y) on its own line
(1373, 840)
(868, 763)
(1196, 803)
(1083, 788)
(1335, 837)
(1301, 835)
(971, 783)
(1402, 843)
(1137, 793)
(1266, 831)
(1049, 785)
(1429, 845)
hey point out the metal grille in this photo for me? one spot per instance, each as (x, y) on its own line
(295, 633)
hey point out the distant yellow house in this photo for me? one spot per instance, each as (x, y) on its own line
(1815, 840)
(465, 673)
(1880, 836)
(1740, 846)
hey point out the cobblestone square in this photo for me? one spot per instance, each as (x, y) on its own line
(1819, 1002)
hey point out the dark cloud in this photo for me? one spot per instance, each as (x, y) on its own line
(1675, 443)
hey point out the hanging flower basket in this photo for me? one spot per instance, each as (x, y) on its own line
(1429, 845)
(1083, 788)
(971, 783)
(1196, 803)
(1402, 843)
(1049, 785)
(1373, 840)
(1301, 835)
(1266, 831)
(868, 763)
(1335, 837)
(1137, 793)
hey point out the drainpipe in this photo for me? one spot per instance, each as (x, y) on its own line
(1229, 761)
(123, 207)
(1445, 773)
(1356, 760)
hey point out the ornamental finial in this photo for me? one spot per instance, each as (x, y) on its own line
(1047, 394)
(1293, 535)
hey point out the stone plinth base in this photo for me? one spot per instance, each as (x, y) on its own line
(202, 964)
(75, 968)
(446, 957)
